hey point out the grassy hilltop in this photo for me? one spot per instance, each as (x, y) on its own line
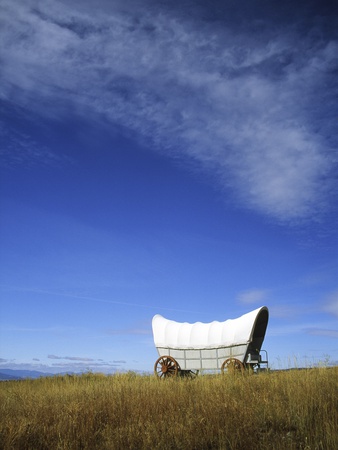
(276, 410)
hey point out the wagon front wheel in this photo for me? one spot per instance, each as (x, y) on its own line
(232, 365)
(166, 367)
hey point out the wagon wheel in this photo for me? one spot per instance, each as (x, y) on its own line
(166, 367)
(192, 374)
(232, 365)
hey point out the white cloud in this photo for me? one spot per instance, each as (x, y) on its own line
(292, 328)
(20, 149)
(284, 311)
(331, 304)
(71, 358)
(77, 366)
(253, 296)
(241, 108)
(129, 331)
(323, 332)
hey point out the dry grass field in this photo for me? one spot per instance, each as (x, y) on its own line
(277, 410)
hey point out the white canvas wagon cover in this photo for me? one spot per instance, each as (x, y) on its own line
(243, 330)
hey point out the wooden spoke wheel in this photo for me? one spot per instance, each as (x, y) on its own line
(232, 365)
(192, 374)
(166, 367)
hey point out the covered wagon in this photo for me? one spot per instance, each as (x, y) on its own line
(186, 348)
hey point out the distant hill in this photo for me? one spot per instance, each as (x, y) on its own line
(6, 377)
(10, 374)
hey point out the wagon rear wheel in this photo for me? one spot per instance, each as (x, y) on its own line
(192, 374)
(232, 365)
(166, 367)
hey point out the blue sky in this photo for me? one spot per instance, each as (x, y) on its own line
(164, 157)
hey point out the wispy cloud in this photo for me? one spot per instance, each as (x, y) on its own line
(290, 327)
(253, 296)
(79, 361)
(87, 366)
(71, 358)
(256, 110)
(65, 366)
(331, 304)
(19, 148)
(284, 310)
(129, 331)
(323, 332)
(70, 294)
(48, 330)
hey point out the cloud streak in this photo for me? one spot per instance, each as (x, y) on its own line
(253, 296)
(323, 332)
(72, 295)
(73, 365)
(71, 358)
(331, 304)
(78, 361)
(255, 110)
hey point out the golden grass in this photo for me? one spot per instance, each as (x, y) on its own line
(276, 410)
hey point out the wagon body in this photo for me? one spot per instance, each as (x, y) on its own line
(204, 359)
(205, 346)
